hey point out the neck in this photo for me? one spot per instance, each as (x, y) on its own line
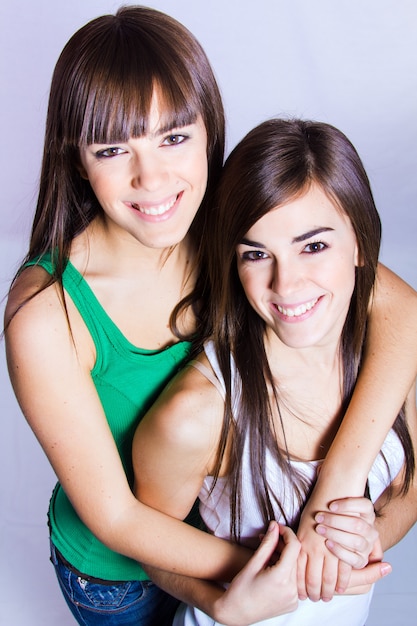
(285, 361)
(100, 251)
(309, 384)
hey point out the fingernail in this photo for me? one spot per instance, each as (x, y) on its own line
(321, 530)
(270, 527)
(386, 569)
(319, 517)
(333, 506)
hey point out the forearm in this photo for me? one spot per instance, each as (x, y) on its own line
(252, 595)
(192, 591)
(393, 528)
(388, 372)
(396, 515)
(160, 541)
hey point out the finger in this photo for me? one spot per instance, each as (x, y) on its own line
(352, 548)
(265, 550)
(343, 576)
(291, 549)
(261, 558)
(329, 578)
(301, 576)
(314, 576)
(351, 559)
(368, 575)
(347, 523)
(354, 506)
(377, 552)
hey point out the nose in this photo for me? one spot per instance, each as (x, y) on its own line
(148, 171)
(286, 277)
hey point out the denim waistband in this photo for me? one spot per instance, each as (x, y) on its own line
(99, 581)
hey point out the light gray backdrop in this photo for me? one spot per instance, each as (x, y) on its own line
(352, 63)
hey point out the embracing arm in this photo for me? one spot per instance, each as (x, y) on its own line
(50, 373)
(174, 449)
(260, 591)
(388, 371)
(175, 444)
(397, 513)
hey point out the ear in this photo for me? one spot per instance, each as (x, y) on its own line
(80, 167)
(358, 257)
(82, 171)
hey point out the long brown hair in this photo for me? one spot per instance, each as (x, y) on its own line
(101, 92)
(272, 165)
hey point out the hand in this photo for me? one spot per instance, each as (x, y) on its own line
(318, 571)
(349, 531)
(261, 591)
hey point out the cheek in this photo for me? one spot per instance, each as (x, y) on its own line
(343, 275)
(103, 186)
(251, 285)
(198, 169)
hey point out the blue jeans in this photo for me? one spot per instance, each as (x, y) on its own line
(130, 603)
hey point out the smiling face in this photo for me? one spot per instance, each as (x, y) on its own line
(297, 267)
(150, 187)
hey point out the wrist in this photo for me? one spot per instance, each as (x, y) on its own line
(335, 481)
(220, 611)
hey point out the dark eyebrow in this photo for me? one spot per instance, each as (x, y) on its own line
(175, 124)
(299, 239)
(252, 244)
(311, 233)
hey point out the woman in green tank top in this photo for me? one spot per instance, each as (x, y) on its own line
(133, 149)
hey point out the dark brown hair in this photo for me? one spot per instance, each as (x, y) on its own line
(101, 92)
(275, 163)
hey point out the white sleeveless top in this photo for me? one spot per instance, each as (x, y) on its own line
(215, 511)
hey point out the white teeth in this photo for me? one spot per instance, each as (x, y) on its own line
(303, 308)
(156, 210)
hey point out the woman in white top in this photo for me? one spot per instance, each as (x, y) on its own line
(292, 254)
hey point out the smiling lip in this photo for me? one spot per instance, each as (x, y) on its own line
(156, 210)
(297, 311)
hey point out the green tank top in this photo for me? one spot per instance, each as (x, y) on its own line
(128, 380)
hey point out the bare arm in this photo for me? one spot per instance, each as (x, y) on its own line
(52, 381)
(175, 444)
(397, 513)
(252, 595)
(388, 372)
(389, 369)
(173, 451)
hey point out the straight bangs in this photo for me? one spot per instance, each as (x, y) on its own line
(115, 103)
(103, 85)
(122, 111)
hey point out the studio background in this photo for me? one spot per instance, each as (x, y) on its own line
(352, 63)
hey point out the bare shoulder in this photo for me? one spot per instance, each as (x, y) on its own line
(189, 412)
(36, 323)
(27, 290)
(390, 285)
(31, 310)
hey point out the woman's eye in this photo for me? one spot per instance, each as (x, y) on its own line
(111, 151)
(174, 140)
(254, 255)
(314, 247)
